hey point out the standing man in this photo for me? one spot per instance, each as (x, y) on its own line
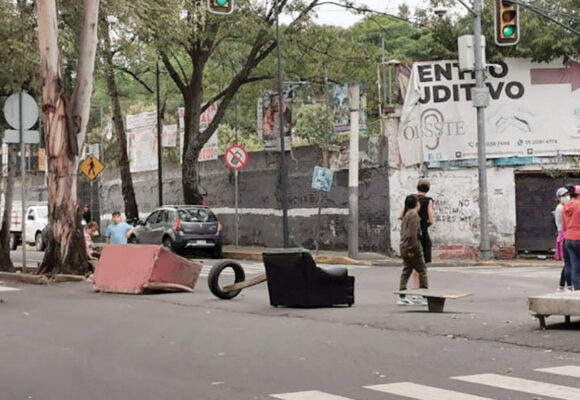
(411, 249)
(87, 214)
(118, 231)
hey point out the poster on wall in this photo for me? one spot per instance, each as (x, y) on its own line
(210, 149)
(341, 104)
(534, 111)
(269, 122)
(169, 137)
(142, 141)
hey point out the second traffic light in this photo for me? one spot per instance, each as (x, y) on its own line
(220, 6)
(507, 23)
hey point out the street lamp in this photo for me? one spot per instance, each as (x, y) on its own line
(283, 170)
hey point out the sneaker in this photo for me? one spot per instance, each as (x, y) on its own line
(561, 290)
(422, 301)
(403, 301)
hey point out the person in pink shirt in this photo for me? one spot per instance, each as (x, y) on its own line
(571, 225)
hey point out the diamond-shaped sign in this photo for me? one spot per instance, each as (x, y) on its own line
(92, 167)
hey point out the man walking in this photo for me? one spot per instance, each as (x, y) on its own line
(411, 249)
(118, 232)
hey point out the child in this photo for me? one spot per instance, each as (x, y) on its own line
(411, 250)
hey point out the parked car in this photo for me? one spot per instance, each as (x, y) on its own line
(180, 228)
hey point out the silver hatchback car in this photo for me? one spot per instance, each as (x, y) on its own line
(182, 227)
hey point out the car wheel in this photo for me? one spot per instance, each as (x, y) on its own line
(214, 274)
(167, 243)
(13, 241)
(38, 242)
(133, 239)
(217, 252)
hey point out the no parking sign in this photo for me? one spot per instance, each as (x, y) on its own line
(236, 157)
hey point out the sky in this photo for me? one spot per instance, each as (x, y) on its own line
(335, 15)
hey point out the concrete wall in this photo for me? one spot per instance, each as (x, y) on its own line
(456, 232)
(260, 214)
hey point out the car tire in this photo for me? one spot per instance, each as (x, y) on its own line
(13, 241)
(167, 243)
(133, 240)
(217, 252)
(38, 242)
(214, 274)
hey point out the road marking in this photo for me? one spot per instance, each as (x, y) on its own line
(523, 385)
(8, 289)
(308, 395)
(422, 392)
(567, 370)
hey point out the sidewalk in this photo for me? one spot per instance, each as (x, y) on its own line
(377, 259)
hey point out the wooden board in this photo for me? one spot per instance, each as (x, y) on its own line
(244, 284)
(434, 293)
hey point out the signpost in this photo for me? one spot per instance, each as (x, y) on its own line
(236, 158)
(91, 167)
(21, 112)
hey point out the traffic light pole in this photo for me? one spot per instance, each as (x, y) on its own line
(484, 247)
(283, 170)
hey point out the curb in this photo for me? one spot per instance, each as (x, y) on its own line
(241, 255)
(39, 279)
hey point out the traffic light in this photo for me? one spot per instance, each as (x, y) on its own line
(507, 23)
(220, 6)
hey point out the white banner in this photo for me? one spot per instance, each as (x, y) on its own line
(209, 150)
(169, 137)
(142, 141)
(534, 111)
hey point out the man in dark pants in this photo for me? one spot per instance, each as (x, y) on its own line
(411, 249)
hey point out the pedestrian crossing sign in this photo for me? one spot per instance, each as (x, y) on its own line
(92, 167)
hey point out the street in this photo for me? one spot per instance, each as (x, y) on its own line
(73, 343)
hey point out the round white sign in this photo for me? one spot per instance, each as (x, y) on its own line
(29, 111)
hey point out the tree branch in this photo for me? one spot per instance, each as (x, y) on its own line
(134, 76)
(172, 72)
(221, 94)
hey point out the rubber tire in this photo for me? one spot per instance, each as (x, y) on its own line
(167, 243)
(38, 242)
(13, 241)
(132, 240)
(214, 274)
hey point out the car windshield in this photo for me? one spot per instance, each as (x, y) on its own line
(42, 212)
(196, 215)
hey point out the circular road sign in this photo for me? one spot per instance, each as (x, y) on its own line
(29, 111)
(236, 157)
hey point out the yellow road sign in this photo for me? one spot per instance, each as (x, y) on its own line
(92, 167)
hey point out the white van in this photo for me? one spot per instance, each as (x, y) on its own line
(36, 221)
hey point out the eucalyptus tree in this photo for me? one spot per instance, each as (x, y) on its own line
(65, 123)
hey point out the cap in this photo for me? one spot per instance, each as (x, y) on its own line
(561, 192)
(577, 189)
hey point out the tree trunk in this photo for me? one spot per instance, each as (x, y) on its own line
(5, 260)
(192, 142)
(64, 131)
(131, 210)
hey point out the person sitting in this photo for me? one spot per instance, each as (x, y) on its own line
(91, 230)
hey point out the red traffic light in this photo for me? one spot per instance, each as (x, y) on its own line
(220, 6)
(507, 23)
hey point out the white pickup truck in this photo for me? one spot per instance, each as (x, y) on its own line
(36, 221)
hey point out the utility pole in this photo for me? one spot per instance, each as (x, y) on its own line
(283, 170)
(480, 97)
(353, 173)
(159, 144)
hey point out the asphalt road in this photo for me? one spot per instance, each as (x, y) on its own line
(65, 341)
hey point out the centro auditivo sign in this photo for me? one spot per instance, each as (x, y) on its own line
(534, 111)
